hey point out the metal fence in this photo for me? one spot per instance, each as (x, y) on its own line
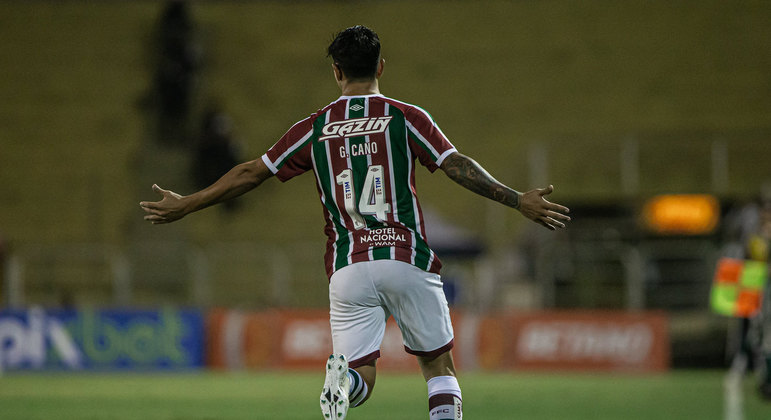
(673, 275)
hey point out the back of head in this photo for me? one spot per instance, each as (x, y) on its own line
(356, 51)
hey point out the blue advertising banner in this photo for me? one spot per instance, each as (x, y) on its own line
(101, 339)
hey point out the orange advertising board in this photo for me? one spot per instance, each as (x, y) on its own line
(237, 340)
(560, 340)
(286, 339)
(575, 340)
(303, 337)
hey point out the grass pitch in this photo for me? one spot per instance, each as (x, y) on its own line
(204, 396)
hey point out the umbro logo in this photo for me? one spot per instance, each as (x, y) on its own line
(356, 107)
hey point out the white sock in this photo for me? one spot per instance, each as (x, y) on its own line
(444, 398)
(358, 390)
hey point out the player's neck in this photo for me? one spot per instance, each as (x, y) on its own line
(359, 88)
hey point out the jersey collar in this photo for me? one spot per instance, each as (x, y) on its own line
(372, 95)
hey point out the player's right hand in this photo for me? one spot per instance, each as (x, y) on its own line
(170, 208)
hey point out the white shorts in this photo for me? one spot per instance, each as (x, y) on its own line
(363, 295)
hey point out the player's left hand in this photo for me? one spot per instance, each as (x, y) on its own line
(170, 208)
(536, 207)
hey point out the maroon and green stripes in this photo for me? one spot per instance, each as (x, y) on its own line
(403, 171)
(352, 151)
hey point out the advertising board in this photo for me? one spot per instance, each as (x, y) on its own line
(287, 339)
(575, 340)
(101, 339)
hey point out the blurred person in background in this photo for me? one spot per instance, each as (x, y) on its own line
(216, 152)
(362, 149)
(759, 249)
(749, 232)
(178, 62)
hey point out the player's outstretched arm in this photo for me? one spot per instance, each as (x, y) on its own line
(532, 204)
(237, 181)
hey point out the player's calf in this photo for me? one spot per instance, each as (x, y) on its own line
(358, 389)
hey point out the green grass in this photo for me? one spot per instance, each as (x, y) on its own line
(203, 396)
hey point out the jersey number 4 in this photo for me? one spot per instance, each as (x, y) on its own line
(372, 200)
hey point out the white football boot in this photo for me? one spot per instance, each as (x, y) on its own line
(334, 396)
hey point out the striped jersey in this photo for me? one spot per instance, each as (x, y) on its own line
(363, 151)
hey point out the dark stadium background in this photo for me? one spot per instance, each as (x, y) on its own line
(612, 102)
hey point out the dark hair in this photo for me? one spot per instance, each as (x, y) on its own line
(356, 51)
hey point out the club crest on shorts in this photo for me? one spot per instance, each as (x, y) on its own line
(355, 127)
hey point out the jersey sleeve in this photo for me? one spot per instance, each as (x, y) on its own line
(291, 155)
(426, 139)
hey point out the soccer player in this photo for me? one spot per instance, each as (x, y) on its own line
(363, 149)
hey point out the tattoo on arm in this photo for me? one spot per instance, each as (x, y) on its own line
(468, 173)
